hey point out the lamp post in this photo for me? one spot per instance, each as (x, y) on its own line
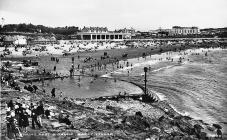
(145, 70)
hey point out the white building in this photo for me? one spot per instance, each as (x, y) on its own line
(101, 33)
(177, 30)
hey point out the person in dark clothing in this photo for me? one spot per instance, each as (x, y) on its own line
(219, 133)
(34, 119)
(19, 104)
(18, 109)
(25, 121)
(19, 114)
(60, 118)
(17, 88)
(53, 92)
(40, 112)
(10, 105)
(30, 88)
(9, 122)
(40, 109)
(66, 120)
(25, 87)
(47, 113)
(13, 131)
(35, 88)
(31, 106)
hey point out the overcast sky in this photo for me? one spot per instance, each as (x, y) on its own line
(115, 14)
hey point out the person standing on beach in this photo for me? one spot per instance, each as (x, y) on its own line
(53, 92)
(40, 112)
(13, 131)
(25, 121)
(61, 95)
(219, 133)
(10, 105)
(9, 122)
(18, 114)
(34, 118)
(35, 88)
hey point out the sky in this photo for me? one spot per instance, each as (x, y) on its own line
(116, 14)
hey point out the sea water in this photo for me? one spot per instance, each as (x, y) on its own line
(196, 87)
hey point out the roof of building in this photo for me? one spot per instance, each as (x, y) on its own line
(179, 27)
(41, 38)
(94, 29)
(10, 38)
(125, 30)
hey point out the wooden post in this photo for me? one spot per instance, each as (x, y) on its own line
(145, 70)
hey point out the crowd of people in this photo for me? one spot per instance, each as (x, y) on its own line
(18, 115)
(21, 115)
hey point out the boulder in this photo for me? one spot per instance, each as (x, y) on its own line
(136, 122)
(156, 130)
(210, 128)
(138, 113)
(94, 124)
(185, 127)
(115, 110)
(203, 136)
(161, 118)
(58, 125)
(176, 133)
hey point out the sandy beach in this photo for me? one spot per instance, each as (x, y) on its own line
(111, 116)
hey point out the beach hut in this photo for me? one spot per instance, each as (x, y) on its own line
(8, 40)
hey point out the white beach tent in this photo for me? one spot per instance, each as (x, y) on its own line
(20, 41)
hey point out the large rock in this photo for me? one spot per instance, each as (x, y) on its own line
(155, 130)
(136, 122)
(115, 110)
(138, 113)
(58, 125)
(183, 125)
(94, 124)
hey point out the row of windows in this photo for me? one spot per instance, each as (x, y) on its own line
(182, 31)
(88, 37)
